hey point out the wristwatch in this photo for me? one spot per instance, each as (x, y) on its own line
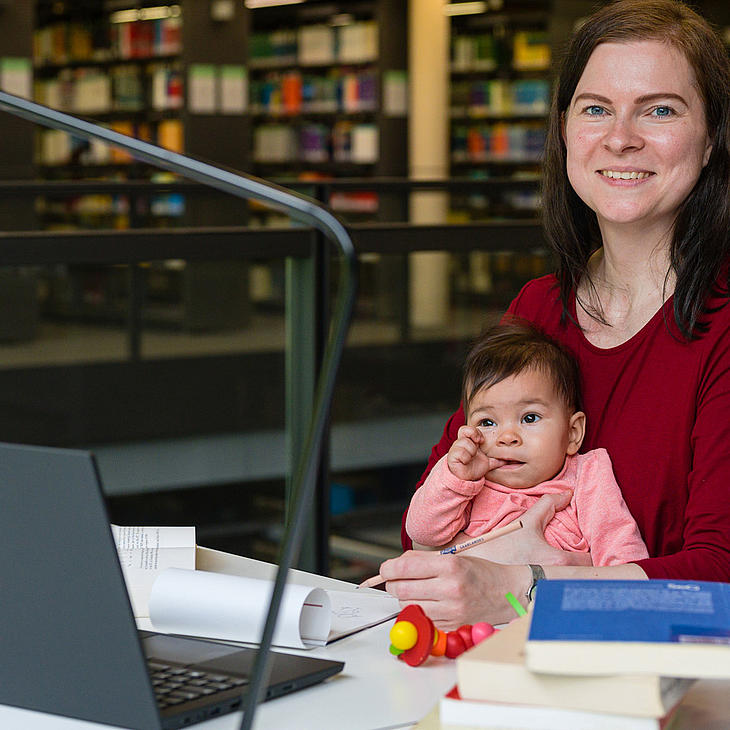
(537, 574)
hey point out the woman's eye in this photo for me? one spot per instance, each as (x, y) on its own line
(662, 111)
(531, 418)
(594, 110)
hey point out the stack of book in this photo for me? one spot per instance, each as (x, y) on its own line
(604, 655)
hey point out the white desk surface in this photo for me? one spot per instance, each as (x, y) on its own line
(377, 692)
(374, 691)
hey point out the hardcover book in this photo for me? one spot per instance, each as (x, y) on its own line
(590, 627)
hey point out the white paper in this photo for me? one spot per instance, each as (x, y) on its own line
(234, 608)
(146, 551)
(353, 608)
(354, 611)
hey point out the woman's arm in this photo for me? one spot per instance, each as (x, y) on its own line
(458, 589)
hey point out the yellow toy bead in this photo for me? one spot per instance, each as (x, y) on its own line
(403, 635)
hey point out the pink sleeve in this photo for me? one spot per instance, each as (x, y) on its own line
(603, 517)
(450, 434)
(441, 507)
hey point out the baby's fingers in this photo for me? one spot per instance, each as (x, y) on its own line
(472, 433)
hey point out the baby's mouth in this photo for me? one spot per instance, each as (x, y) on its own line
(511, 462)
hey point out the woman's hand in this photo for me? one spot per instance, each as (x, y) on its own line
(528, 545)
(455, 589)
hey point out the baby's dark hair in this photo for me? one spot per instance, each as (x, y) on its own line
(515, 346)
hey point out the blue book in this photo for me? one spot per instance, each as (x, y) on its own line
(669, 627)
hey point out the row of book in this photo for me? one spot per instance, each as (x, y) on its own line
(344, 141)
(292, 92)
(316, 44)
(475, 143)
(92, 207)
(55, 147)
(97, 41)
(604, 655)
(499, 97)
(158, 86)
(523, 50)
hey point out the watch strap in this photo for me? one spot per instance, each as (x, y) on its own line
(537, 574)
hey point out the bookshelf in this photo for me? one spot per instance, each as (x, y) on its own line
(500, 96)
(324, 83)
(169, 73)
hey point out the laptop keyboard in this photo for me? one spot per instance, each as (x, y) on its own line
(174, 685)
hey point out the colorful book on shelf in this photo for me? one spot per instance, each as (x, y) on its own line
(495, 671)
(676, 628)
(459, 713)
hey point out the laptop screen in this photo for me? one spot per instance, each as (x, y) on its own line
(66, 618)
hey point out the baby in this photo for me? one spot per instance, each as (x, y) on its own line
(524, 427)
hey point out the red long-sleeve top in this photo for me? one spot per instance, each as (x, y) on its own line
(660, 406)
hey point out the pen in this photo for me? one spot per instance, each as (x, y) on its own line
(493, 534)
(377, 580)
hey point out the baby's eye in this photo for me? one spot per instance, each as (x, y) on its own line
(531, 418)
(487, 423)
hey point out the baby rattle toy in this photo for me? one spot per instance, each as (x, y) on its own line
(414, 637)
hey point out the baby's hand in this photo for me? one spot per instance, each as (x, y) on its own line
(467, 459)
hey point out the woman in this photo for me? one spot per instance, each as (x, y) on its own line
(637, 209)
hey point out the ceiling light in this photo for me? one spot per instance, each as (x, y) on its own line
(157, 13)
(252, 4)
(465, 8)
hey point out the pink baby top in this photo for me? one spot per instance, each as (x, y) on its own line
(596, 520)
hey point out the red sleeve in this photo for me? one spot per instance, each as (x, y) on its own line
(440, 449)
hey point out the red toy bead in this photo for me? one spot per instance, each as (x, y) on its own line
(454, 645)
(465, 633)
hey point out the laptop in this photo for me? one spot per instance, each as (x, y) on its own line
(68, 640)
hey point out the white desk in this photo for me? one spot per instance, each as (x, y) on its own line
(376, 691)
(373, 692)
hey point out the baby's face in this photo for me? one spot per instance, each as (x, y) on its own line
(528, 425)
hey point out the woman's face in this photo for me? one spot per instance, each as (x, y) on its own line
(636, 135)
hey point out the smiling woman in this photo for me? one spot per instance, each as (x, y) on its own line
(636, 205)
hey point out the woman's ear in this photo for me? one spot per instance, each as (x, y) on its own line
(708, 152)
(576, 432)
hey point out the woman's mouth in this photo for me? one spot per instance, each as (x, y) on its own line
(625, 174)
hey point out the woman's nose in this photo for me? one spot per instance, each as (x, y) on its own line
(623, 135)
